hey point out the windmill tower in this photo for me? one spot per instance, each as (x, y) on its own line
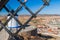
(12, 24)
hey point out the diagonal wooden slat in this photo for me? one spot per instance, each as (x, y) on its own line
(3, 3)
(8, 31)
(6, 23)
(12, 15)
(23, 4)
(15, 18)
(40, 9)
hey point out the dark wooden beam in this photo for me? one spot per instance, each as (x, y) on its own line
(3, 3)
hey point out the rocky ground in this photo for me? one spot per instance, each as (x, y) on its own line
(35, 22)
(4, 36)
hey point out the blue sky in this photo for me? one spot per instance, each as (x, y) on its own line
(34, 5)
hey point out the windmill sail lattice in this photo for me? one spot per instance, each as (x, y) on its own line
(12, 15)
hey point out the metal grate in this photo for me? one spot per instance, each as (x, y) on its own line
(12, 15)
